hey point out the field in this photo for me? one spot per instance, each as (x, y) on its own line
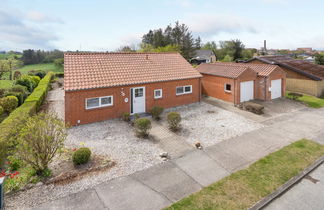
(244, 188)
(43, 66)
(5, 84)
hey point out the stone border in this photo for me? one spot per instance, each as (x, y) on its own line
(285, 187)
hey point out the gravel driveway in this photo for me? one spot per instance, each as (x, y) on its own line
(209, 124)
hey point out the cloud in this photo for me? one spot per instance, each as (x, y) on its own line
(282, 2)
(18, 32)
(36, 16)
(210, 25)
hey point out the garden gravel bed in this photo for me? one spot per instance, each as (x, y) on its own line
(209, 124)
(113, 138)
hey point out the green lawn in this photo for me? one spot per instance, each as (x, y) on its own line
(5, 84)
(311, 101)
(43, 66)
(244, 188)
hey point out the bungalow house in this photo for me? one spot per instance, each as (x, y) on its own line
(203, 56)
(239, 82)
(101, 86)
(302, 76)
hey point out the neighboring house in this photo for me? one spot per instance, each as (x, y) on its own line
(203, 56)
(302, 76)
(239, 82)
(101, 86)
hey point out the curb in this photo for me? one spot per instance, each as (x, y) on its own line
(285, 187)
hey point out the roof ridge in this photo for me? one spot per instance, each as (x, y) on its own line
(104, 53)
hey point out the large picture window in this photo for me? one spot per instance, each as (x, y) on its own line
(92, 103)
(180, 90)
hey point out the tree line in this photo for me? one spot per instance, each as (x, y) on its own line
(178, 38)
(40, 56)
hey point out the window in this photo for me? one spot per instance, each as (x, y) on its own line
(184, 90)
(92, 103)
(228, 87)
(158, 93)
(139, 92)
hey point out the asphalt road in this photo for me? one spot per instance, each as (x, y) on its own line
(307, 194)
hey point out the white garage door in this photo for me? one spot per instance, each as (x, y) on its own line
(247, 91)
(275, 88)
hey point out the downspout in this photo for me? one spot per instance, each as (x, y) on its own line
(265, 89)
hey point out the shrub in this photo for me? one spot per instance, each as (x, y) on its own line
(9, 103)
(253, 107)
(39, 140)
(41, 74)
(81, 156)
(142, 126)
(2, 92)
(136, 116)
(295, 96)
(17, 75)
(126, 116)
(35, 80)
(59, 74)
(27, 82)
(1, 110)
(156, 112)
(14, 163)
(20, 89)
(174, 120)
(18, 95)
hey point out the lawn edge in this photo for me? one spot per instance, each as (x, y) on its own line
(285, 187)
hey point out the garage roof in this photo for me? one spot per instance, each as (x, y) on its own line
(233, 70)
(98, 70)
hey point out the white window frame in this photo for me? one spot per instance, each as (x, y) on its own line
(157, 97)
(184, 90)
(228, 91)
(100, 105)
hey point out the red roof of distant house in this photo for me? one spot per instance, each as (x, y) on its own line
(233, 70)
(98, 70)
(306, 68)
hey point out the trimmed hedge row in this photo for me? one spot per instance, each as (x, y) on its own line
(28, 108)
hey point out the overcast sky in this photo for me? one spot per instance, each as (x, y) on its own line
(101, 25)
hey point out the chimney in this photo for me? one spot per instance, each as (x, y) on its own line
(265, 46)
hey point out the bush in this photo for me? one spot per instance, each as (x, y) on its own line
(35, 80)
(18, 95)
(39, 140)
(295, 96)
(1, 110)
(136, 116)
(27, 82)
(174, 120)
(142, 126)
(40, 73)
(156, 112)
(2, 92)
(9, 103)
(81, 156)
(14, 163)
(253, 107)
(59, 74)
(20, 89)
(126, 116)
(17, 75)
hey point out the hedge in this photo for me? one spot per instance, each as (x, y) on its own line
(28, 108)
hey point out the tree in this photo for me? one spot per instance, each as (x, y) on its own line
(210, 46)
(126, 49)
(233, 48)
(179, 35)
(59, 62)
(319, 58)
(227, 58)
(198, 43)
(39, 139)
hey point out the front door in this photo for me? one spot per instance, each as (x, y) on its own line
(138, 100)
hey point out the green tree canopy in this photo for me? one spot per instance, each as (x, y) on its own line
(319, 58)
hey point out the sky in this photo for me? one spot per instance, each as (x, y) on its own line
(104, 25)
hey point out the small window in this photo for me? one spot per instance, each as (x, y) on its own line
(184, 90)
(228, 87)
(92, 103)
(139, 92)
(158, 93)
(180, 90)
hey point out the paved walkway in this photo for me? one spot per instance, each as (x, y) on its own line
(307, 194)
(163, 184)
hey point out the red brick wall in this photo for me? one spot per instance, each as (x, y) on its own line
(75, 100)
(214, 86)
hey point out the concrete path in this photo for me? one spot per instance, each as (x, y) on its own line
(163, 184)
(307, 194)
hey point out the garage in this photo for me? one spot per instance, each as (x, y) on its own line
(276, 89)
(247, 91)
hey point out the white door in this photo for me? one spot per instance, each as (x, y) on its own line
(138, 100)
(247, 91)
(275, 88)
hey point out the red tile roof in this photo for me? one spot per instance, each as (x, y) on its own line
(233, 70)
(313, 71)
(97, 70)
